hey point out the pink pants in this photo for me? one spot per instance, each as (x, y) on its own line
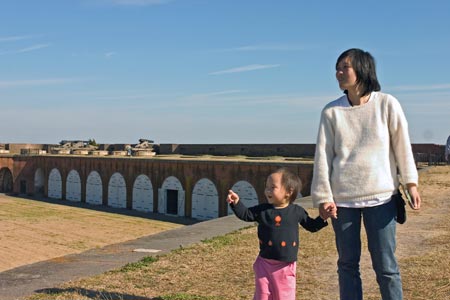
(274, 280)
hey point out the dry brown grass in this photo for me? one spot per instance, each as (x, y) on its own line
(426, 271)
(221, 268)
(32, 231)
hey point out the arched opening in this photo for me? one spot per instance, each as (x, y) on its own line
(205, 200)
(94, 189)
(142, 194)
(39, 182)
(6, 181)
(171, 197)
(117, 191)
(246, 192)
(54, 184)
(73, 186)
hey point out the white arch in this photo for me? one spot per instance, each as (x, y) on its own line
(247, 194)
(54, 184)
(205, 200)
(39, 182)
(94, 189)
(73, 186)
(171, 197)
(142, 194)
(117, 191)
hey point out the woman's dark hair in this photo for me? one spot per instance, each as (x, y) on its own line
(291, 182)
(364, 65)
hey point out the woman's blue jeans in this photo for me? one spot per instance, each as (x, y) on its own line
(380, 226)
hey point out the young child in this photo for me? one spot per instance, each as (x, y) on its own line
(278, 233)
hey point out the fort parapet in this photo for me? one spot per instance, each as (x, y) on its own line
(253, 150)
(194, 187)
(182, 180)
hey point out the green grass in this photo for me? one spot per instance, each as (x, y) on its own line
(225, 240)
(138, 265)
(183, 296)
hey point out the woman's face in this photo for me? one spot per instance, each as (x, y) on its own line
(345, 74)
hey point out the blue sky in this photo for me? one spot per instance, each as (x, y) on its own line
(211, 71)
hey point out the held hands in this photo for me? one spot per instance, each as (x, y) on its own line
(327, 210)
(232, 197)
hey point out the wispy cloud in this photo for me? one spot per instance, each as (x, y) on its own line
(411, 88)
(214, 94)
(110, 54)
(241, 99)
(245, 69)
(125, 97)
(33, 48)
(137, 2)
(26, 49)
(16, 38)
(212, 97)
(36, 82)
(267, 47)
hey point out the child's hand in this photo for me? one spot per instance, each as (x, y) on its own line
(232, 197)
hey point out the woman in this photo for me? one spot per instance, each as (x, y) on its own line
(362, 144)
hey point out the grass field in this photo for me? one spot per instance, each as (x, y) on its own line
(221, 268)
(32, 231)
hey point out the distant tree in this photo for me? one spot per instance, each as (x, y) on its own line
(92, 142)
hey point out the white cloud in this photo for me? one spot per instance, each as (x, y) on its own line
(110, 54)
(33, 48)
(125, 97)
(27, 49)
(244, 99)
(15, 38)
(267, 47)
(411, 88)
(138, 2)
(245, 69)
(214, 94)
(35, 82)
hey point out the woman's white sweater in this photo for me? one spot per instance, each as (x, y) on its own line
(359, 149)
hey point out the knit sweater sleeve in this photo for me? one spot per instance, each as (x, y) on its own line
(244, 213)
(320, 187)
(401, 145)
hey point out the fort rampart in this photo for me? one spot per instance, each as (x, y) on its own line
(183, 180)
(200, 185)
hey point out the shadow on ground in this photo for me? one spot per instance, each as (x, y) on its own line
(93, 294)
(110, 296)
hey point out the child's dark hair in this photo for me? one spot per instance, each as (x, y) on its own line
(291, 182)
(364, 65)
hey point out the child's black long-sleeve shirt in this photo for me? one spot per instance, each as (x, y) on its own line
(278, 231)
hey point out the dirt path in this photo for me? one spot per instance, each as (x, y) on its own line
(32, 231)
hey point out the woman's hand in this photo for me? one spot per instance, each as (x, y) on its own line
(415, 196)
(327, 210)
(232, 197)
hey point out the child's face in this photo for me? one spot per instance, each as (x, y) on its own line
(275, 192)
